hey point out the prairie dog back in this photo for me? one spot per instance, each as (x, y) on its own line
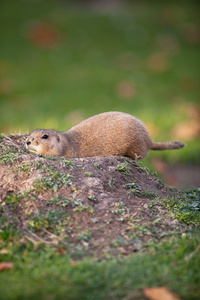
(113, 132)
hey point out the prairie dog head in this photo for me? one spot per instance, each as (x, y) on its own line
(44, 141)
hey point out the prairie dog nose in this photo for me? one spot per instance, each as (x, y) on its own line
(28, 142)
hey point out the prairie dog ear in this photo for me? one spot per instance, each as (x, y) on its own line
(58, 138)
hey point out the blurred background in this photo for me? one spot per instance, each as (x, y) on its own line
(63, 61)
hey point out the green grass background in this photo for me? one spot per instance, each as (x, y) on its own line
(96, 52)
(44, 274)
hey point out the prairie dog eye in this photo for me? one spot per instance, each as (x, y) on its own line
(45, 136)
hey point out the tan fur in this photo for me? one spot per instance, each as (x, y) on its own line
(106, 134)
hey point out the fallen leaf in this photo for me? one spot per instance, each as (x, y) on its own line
(152, 252)
(167, 43)
(158, 62)
(171, 180)
(127, 60)
(85, 244)
(60, 250)
(187, 109)
(126, 89)
(187, 130)
(191, 33)
(4, 68)
(44, 35)
(191, 128)
(188, 84)
(123, 251)
(6, 266)
(6, 86)
(160, 165)
(73, 263)
(160, 293)
(4, 251)
(168, 15)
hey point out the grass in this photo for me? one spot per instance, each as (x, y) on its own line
(54, 180)
(8, 157)
(142, 59)
(52, 275)
(48, 220)
(187, 210)
(123, 168)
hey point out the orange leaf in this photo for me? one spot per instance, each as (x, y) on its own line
(6, 266)
(187, 131)
(73, 263)
(44, 35)
(158, 62)
(158, 293)
(60, 250)
(126, 89)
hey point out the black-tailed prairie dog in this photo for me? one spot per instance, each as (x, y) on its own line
(106, 134)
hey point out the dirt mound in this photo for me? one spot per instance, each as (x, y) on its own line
(97, 206)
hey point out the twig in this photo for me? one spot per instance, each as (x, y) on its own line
(189, 256)
(10, 140)
(52, 235)
(38, 238)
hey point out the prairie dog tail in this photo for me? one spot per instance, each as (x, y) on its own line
(167, 145)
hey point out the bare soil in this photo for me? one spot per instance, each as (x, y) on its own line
(100, 206)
